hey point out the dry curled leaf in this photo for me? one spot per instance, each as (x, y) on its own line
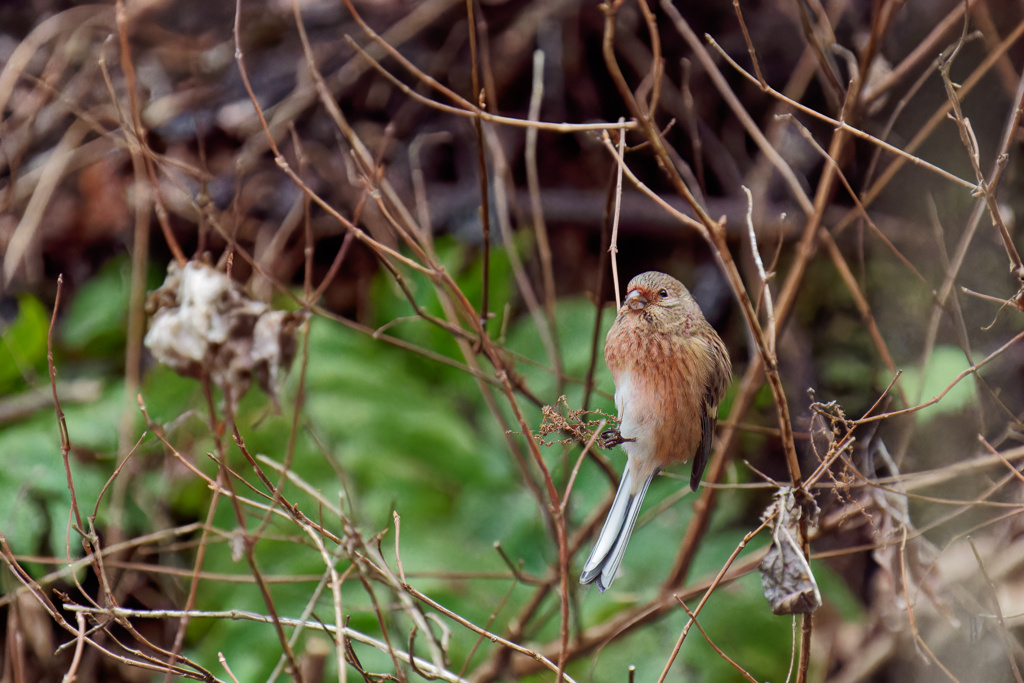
(905, 557)
(203, 324)
(786, 575)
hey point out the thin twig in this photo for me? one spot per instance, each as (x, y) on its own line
(613, 247)
(1003, 630)
(540, 227)
(485, 205)
(727, 658)
(707, 595)
(766, 294)
(986, 188)
(62, 424)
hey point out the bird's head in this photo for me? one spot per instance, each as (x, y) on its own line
(658, 290)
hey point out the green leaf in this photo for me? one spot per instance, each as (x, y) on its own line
(97, 315)
(945, 364)
(23, 345)
(36, 501)
(94, 425)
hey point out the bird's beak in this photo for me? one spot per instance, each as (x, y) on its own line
(635, 300)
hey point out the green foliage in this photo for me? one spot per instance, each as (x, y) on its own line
(406, 434)
(23, 345)
(381, 430)
(391, 304)
(575, 319)
(945, 364)
(390, 426)
(36, 502)
(97, 315)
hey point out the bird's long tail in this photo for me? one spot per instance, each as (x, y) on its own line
(607, 554)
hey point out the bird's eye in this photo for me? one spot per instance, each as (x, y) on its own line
(663, 293)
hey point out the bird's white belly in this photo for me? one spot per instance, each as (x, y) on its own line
(634, 422)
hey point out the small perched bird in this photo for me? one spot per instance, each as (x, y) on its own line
(671, 370)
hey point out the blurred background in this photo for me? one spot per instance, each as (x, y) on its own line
(444, 268)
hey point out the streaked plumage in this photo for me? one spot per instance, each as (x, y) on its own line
(671, 370)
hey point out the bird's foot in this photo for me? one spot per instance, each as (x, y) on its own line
(610, 438)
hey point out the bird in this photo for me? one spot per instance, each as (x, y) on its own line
(671, 370)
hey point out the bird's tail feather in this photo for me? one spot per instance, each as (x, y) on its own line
(606, 556)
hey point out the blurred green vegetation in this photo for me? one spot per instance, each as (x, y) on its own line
(381, 430)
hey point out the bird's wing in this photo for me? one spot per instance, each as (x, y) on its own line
(708, 419)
